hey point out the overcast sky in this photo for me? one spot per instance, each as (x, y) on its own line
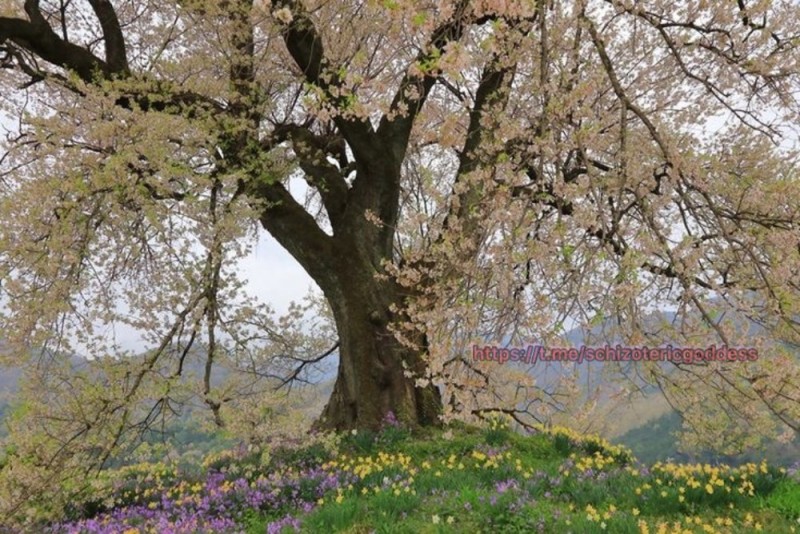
(273, 275)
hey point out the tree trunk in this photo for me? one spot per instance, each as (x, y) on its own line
(372, 379)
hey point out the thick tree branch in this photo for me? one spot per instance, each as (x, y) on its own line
(116, 54)
(166, 98)
(242, 69)
(294, 228)
(414, 88)
(36, 36)
(305, 45)
(312, 152)
(489, 94)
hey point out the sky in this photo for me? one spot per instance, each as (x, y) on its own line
(274, 275)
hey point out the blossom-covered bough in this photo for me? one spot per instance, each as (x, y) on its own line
(475, 171)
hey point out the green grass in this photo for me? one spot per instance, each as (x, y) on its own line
(497, 481)
(785, 498)
(467, 479)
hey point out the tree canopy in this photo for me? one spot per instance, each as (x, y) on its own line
(474, 171)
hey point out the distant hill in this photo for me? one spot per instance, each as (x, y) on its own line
(9, 379)
(648, 425)
(656, 441)
(185, 431)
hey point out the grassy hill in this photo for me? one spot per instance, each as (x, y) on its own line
(462, 479)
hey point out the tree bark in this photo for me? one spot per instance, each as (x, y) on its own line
(372, 378)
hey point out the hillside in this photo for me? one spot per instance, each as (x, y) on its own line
(463, 479)
(656, 440)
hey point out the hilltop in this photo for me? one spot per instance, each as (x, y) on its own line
(461, 479)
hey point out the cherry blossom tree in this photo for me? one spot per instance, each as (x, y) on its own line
(474, 170)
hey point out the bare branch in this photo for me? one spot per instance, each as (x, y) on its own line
(297, 370)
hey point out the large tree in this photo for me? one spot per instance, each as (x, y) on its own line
(474, 170)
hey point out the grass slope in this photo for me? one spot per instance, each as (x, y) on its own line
(462, 479)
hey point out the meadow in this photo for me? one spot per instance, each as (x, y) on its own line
(457, 479)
